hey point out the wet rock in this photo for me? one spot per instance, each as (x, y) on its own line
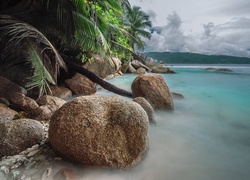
(153, 88)
(177, 95)
(18, 135)
(100, 131)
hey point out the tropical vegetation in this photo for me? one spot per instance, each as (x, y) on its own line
(41, 38)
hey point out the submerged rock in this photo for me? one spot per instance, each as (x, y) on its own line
(177, 95)
(100, 131)
(154, 89)
(18, 135)
(218, 69)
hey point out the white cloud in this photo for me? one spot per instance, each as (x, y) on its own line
(211, 27)
(226, 39)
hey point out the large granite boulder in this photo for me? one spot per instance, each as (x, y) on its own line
(81, 85)
(100, 131)
(18, 135)
(153, 88)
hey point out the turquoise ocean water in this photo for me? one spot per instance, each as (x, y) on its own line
(206, 137)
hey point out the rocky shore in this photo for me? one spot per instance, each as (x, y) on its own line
(40, 135)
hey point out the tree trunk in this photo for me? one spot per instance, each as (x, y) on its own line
(96, 79)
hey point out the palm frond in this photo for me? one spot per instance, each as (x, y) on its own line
(87, 29)
(41, 76)
(19, 31)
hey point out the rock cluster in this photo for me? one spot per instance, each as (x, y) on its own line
(145, 64)
(92, 130)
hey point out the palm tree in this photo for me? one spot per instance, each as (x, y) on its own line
(136, 21)
(39, 38)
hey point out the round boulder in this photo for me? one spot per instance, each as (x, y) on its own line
(18, 135)
(100, 131)
(154, 89)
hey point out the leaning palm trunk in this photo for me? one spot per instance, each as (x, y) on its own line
(96, 79)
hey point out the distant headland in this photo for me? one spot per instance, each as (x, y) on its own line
(194, 58)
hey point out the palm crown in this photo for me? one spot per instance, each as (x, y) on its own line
(36, 36)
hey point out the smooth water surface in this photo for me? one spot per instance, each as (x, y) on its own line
(207, 136)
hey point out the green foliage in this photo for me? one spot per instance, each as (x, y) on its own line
(41, 32)
(41, 76)
(136, 21)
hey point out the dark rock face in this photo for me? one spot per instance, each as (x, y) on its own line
(154, 89)
(100, 131)
(18, 135)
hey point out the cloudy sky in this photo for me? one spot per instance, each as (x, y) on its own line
(200, 26)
